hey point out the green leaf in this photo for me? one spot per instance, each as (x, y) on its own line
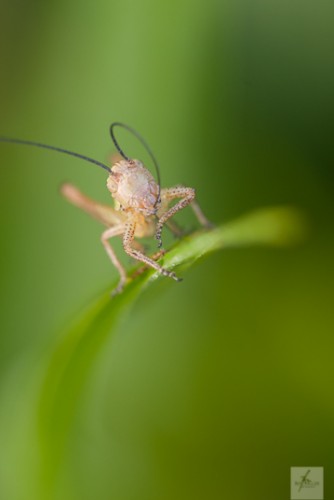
(73, 358)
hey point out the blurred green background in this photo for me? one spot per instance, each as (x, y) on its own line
(215, 387)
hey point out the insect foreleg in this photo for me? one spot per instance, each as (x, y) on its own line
(128, 239)
(187, 195)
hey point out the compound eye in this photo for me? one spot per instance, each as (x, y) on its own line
(111, 185)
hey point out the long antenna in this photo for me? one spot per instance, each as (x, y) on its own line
(144, 143)
(53, 148)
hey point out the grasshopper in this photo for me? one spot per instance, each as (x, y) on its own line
(141, 207)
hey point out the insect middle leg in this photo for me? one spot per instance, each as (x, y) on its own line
(128, 240)
(106, 235)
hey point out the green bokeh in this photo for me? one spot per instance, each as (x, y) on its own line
(215, 387)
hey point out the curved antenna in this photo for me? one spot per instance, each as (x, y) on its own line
(144, 143)
(53, 148)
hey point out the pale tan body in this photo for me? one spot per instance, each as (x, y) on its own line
(140, 211)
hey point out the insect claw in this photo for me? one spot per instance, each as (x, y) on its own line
(117, 290)
(176, 278)
(209, 225)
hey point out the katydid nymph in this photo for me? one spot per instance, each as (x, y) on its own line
(141, 206)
